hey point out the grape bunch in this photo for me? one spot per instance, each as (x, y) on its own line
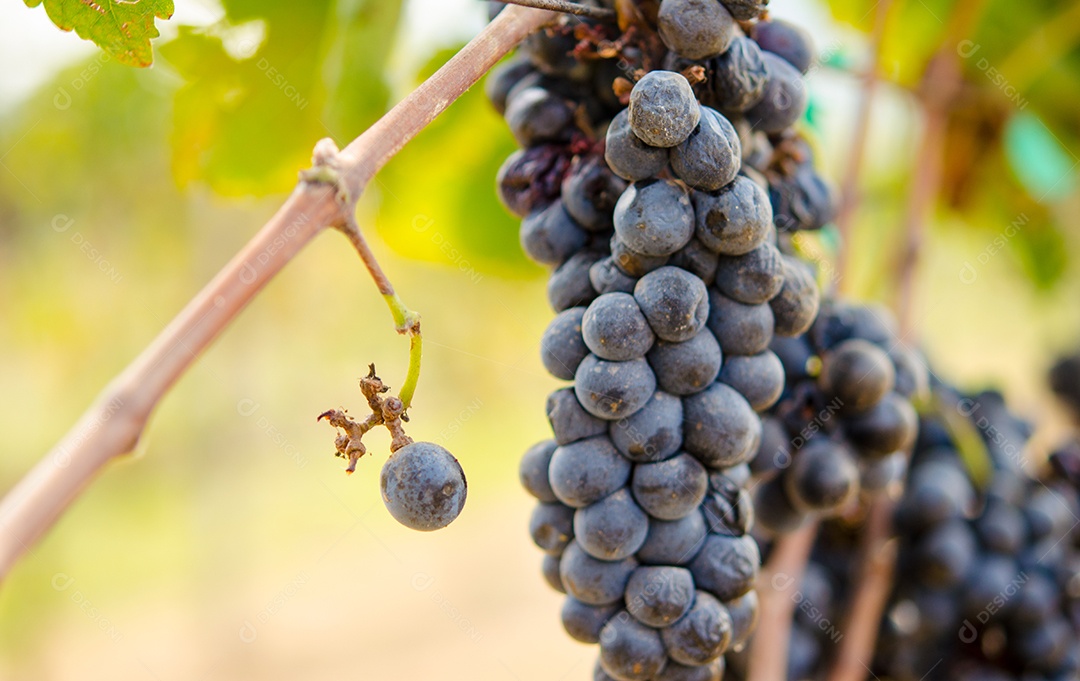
(646, 182)
(845, 422)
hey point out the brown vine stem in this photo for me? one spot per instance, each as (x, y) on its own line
(876, 565)
(849, 191)
(776, 590)
(598, 13)
(113, 424)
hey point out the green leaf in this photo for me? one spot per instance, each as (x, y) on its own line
(122, 28)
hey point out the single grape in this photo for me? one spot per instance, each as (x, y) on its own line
(592, 581)
(550, 236)
(744, 616)
(612, 528)
(549, 568)
(702, 635)
(423, 486)
(890, 426)
(674, 301)
(672, 489)
(606, 277)
(552, 527)
(569, 420)
(628, 156)
(945, 556)
(663, 109)
(562, 348)
(823, 476)
(569, 285)
(629, 650)
(753, 278)
(657, 596)
(504, 77)
(774, 511)
(673, 542)
(535, 115)
(858, 373)
(688, 367)
(726, 566)
(759, 378)
(613, 390)
(615, 329)
(721, 428)
(741, 329)
(734, 220)
(654, 218)
(673, 671)
(784, 99)
(587, 471)
(796, 306)
(533, 471)
(728, 510)
(696, 29)
(786, 40)
(737, 78)
(652, 434)
(710, 157)
(583, 621)
(745, 10)
(632, 263)
(590, 191)
(528, 180)
(696, 259)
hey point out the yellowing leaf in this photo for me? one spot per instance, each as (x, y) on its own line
(122, 28)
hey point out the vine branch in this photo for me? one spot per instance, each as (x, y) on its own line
(112, 425)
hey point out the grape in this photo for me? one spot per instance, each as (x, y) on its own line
(795, 354)
(796, 306)
(858, 373)
(552, 527)
(549, 567)
(550, 51)
(945, 556)
(569, 420)
(569, 285)
(738, 475)
(687, 367)
(673, 542)
(786, 40)
(710, 156)
(696, 259)
(744, 615)
(1000, 528)
(663, 109)
(613, 390)
(672, 489)
(994, 576)
(592, 581)
(504, 77)
(774, 511)
(654, 218)
(528, 180)
(759, 378)
(696, 29)
(629, 157)
(888, 427)
(702, 635)
(753, 278)
(912, 375)
(533, 471)
(583, 621)
(721, 429)
(737, 78)
(784, 99)
(606, 277)
(658, 596)
(802, 200)
(633, 263)
(674, 301)
(615, 329)
(734, 220)
(612, 528)
(550, 236)
(536, 115)
(741, 329)
(423, 486)
(936, 492)
(728, 510)
(587, 471)
(673, 671)
(726, 566)
(589, 193)
(823, 477)
(562, 348)
(652, 434)
(629, 650)
(744, 10)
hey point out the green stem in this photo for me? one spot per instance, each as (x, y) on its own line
(407, 321)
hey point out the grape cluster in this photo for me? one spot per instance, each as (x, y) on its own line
(645, 181)
(845, 421)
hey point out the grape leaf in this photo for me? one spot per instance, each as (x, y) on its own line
(122, 28)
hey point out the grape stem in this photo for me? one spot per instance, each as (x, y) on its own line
(776, 588)
(113, 424)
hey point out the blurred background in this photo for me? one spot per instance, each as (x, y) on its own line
(232, 545)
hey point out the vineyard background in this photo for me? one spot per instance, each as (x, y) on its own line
(233, 546)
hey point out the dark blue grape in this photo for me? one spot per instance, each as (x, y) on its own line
(569, 285)
(551, 236)
(774, 451)
(535, 115)
(583, 621)
(890, 426)
(654, 218)
(728, 510)
(552, 527)
(912, 374)
(615, 329)
(503, 78)
(738, 475)
(657, 596)
(673, 671)
(663, 109)
(549, 568)
(629, 650)
(858, 373)
(710, 157)
(735, 220)
(736, 79)
(673, 542)
(587, 471)
(674, 301)
(696, 259)
(721, 428)
(702, 635)
(613, 390)
(759, 378)
(533, 471)
(796, 306)
(592, 581)
(552, 52)
(936, 492)
(741, 329)
(786, 40)
(606, 277)
(726, 566)
(753, 278)
(569, 420)
(590, 191)
(562, 348)
(744, 616)
(774, 511)
(745, 10)
(945, 556)
(632, 263)
(1001, 527)
(528, 179)
(423, 486)
(784, 99)
(652, 434)
(612, 528)
(672, 489)
(688, 367)
(696, 29)
(795, 354)
(628, 156)
(823, 476)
